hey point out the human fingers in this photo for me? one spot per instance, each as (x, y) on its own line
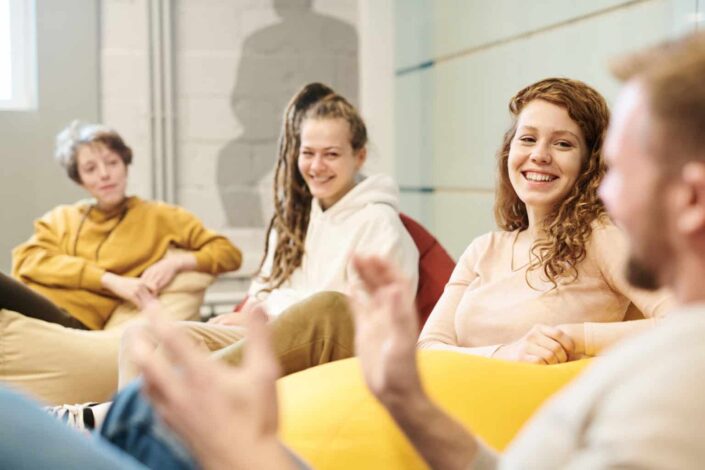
(151, 304)
(548, 337)
(384, 271)
(227, 319)
(261, 364)
(250, 305)
(224, 319)
(403, 310)
(149, 275)
(360, 307)
(259, 355)
(143, 297)
(374, 272)
(157, 281)
(160, 380)
(532, 359)
(360, 264)
(561, 337)
(177, 346)
(547, 349)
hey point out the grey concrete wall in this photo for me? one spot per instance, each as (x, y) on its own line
(30, 182)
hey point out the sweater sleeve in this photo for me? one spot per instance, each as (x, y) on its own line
(439, 331)
(41, 260)
(610, 248)
(386, 237)
(214, 253)
(256, 286)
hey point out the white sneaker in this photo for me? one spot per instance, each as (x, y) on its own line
(79, 416)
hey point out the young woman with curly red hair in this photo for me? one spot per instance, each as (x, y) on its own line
(548, 287)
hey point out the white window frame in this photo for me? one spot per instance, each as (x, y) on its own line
(23, 57)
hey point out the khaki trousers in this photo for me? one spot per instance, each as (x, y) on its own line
(315, 331)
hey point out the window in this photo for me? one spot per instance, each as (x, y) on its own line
(18, 58)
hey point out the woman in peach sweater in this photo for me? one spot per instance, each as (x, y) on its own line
(549, 287)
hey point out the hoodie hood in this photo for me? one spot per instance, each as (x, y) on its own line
(375, 189)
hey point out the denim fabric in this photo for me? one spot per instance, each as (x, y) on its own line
(32, 439)
(132, 425)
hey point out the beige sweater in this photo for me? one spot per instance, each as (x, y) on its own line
(640, 406)
(487, 302)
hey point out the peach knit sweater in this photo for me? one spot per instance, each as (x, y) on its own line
(487, 302)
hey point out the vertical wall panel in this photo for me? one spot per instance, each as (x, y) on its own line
(459, 62)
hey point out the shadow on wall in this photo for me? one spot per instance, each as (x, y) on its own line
(276, 61)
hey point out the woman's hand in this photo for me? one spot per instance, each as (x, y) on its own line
(131, 289)
(543, 344)
(227, 416)
(576, 332)
(161, 273)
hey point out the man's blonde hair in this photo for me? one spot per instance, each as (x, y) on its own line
(672, 75)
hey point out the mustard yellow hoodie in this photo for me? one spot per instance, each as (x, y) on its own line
(74, 245)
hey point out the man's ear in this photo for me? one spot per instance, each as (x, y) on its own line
(691, 218)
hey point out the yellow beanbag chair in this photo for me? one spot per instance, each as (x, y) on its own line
(329, 418)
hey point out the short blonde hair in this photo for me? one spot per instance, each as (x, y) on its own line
(78, 134)
(672, 75)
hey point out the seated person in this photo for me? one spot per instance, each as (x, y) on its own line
(549, 287)
(89, 257)
(325, 210)
(640, 409)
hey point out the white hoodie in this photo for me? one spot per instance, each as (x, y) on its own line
(364, 221)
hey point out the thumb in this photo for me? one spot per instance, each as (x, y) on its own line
(259, 355)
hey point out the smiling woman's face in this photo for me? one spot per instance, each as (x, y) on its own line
(103, 174)
(545, 156)
(327, 161)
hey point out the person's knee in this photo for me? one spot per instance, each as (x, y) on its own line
(329, 306)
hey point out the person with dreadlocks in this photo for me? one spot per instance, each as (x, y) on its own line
(324, 207)
(324, 211)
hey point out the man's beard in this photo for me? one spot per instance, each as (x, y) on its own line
(641, 276)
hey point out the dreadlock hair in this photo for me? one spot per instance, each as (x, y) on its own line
(292, 197)
(569, 226)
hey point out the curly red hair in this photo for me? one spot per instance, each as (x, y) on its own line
(569, 226)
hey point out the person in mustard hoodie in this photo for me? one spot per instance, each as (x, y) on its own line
(89, 257)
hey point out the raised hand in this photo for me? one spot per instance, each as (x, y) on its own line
(226, 415)
(385, 342)
(386, 331)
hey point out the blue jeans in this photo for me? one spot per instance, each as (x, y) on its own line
(30, 438)
(132, 425)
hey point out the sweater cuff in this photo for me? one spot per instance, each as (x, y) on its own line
(486, 351)
(589, 339)
(485, 458)
(91, 277)
(203, 262)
